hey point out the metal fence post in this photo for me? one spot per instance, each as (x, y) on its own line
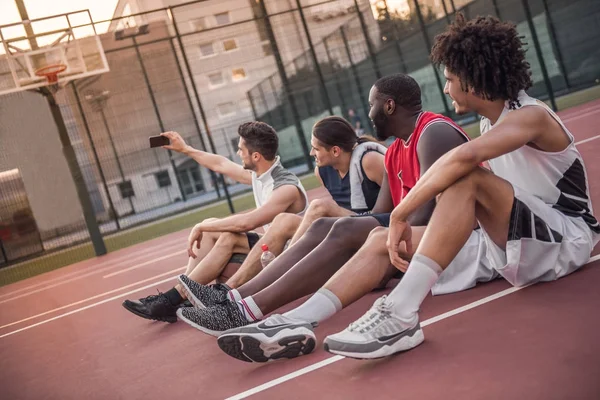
(496, 8)
(252, 106)
(396, 38)
(428, 44)
(200, 108)
(540, 55)
(338, 84)
(370, 49)
(282, 108)
(315, 59)
(213, 177)
(78, 180)
(355, 73)
(552, 31)
(157, 112)
(286, 85)
(86, 126)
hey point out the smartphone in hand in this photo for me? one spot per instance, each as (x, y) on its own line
(159, 141)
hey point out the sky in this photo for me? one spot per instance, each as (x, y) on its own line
(100, 9)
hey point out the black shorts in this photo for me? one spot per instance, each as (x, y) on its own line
(383, 219)
(253, 238)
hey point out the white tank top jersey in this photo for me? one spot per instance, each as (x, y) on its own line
(274, 177)
(559, 179)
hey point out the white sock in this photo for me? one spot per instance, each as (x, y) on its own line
(416, 283)
(250, 309)
(318, 308)
(233, 295)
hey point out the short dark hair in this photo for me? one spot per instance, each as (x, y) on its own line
(486, 54)
(401, 88)
(260, 138)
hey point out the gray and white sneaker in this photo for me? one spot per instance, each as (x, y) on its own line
(203, 296)
(213, 320)
(376, 334)
(274, 338)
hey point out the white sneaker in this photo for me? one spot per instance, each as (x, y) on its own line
(376, 334)
(274, 338)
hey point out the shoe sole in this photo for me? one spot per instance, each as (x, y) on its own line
(149, 317)
(260, 348)
(190, 296)
(404, 344)
(195, 325)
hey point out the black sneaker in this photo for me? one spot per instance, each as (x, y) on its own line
(213, 320)
(203, 296)
(155, 307)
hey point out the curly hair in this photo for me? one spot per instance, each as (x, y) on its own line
(486, 54)
(260, 138)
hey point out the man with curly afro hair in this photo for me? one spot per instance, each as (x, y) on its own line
(533, 208)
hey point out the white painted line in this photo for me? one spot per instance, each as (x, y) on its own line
(580, 114)
(287, 377)
(94, 272)
(144, 264)
(587, 140)
(88, 307)
(333, 359)
(101, 267)
(92, 298)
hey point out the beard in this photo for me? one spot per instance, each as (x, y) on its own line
(250, 166)
(380, 123)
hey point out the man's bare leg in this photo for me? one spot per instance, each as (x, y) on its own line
(309, 274)
(479, 196)
(280, 231)
(319, 208)
(315, 235)
(217, 258)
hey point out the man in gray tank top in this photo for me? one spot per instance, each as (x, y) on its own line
(213, 241)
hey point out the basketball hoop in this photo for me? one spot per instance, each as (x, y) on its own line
(50, 72)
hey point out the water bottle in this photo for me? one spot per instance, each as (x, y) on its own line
(266, 256)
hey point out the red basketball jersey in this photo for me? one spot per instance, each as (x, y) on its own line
(402, 161)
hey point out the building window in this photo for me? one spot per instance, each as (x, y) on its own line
(238, 74)
(162, 178)
(200, 24)
(226, 109)
(229, 44)
(207, 49)
(267, 49)
(215, 79)
(126, 189)
(223, 18)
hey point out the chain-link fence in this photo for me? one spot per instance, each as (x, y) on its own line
(204, 67)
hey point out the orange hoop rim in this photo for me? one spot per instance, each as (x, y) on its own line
(50, 72)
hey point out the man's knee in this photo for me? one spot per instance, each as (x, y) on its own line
(285, 223)
(320, 226)
(378, 234)
(320, 207)
(344, 228)
(228, 239)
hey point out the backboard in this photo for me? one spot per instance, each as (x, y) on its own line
(49, 51)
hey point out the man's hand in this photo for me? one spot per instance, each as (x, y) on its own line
(194, 238)
(177, 143)
(400, 231)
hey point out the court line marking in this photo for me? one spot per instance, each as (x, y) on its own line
(91, 298)
(333, 359)
(101, 267)
(122, 271)
(82, 276)
(89, 306)
(587, 140)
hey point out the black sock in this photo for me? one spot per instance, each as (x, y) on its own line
(174, 297)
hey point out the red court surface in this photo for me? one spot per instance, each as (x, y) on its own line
(64, 335)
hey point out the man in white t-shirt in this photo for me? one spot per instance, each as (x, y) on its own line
(276, 190)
